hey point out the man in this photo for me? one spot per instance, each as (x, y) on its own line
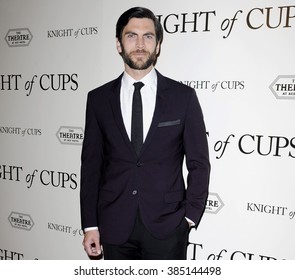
(134, 203)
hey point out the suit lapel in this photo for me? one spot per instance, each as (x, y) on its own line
(116, 107)
(162, 90)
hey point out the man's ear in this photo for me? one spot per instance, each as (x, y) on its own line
(118, 45)
(158, 49)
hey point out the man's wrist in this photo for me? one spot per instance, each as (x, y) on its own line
(90, 228)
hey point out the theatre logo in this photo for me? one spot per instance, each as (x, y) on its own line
(283, 87)
(20, 37)
(214, 203)
(70, 135)
(21, 221)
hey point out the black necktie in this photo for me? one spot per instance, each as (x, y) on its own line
(136, 122)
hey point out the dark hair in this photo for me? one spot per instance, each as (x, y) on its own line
(138, 12)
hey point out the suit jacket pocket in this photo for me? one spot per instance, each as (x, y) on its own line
(169, 123)
(174, 196)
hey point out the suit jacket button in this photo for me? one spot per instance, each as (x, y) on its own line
(139, 164)
(134, 192)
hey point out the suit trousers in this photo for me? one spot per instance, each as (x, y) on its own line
(141, 245)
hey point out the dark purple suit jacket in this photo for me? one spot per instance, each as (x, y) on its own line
(116, 183)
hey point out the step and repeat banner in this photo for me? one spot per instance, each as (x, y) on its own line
(238, 56)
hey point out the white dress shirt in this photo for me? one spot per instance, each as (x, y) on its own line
(148, 96)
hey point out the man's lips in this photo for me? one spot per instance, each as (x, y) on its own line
(139, 53)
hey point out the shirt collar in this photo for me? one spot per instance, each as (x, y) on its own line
(149, 80)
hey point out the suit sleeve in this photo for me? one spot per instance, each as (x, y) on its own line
(197, 160)
(91, 166)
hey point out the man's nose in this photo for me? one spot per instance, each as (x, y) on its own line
(140, 42)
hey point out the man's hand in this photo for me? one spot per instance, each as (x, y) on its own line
(91, 243)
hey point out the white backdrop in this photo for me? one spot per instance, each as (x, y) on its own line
(239, 58)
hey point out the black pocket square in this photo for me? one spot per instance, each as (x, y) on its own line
(169, 123)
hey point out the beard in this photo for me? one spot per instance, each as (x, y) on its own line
(139, 63)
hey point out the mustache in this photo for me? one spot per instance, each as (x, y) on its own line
(140, 51)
